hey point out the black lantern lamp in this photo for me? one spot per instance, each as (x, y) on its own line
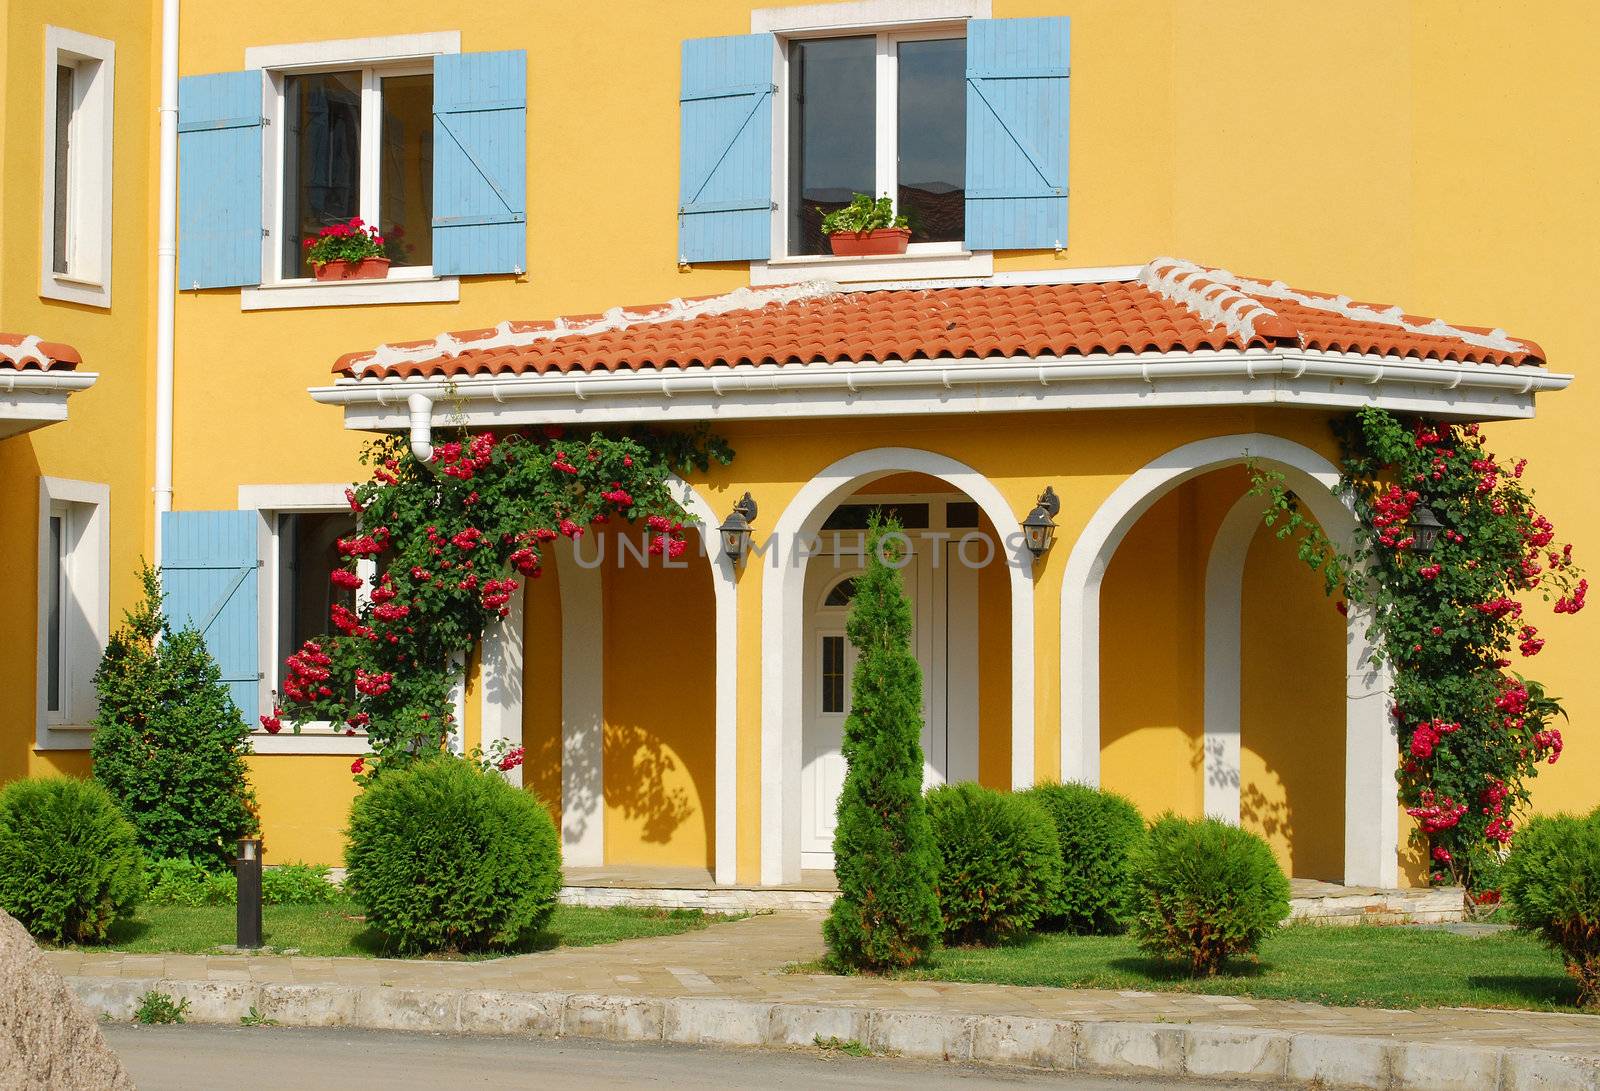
(1039, 528)
(1424, 527)
(736, 531)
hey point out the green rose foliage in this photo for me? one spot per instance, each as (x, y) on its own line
(1098, 830)
(1449, 622)
(1205, 892)
(443, 856)
(453, 537)
(887, 914)
(1552, 885)
(169, 743)
(999, 862)
(69, 860)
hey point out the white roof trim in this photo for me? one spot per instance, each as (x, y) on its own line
(33, 399)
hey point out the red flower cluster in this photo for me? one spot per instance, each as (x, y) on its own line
(343, 577)
(1435, 815)
(1571, 604)
(510, 760)
(273, 722)
(1426, 736)
(1392, 514)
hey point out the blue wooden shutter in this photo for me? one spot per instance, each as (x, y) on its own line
(208, 578)
(480, 162)
(219, 180)
(1017, 79)
(725, 149)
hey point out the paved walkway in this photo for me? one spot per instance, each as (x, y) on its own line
(744, 960)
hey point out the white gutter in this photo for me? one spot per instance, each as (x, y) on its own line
(45, 382)
(727, 383)
(166, 265)
(419, 411)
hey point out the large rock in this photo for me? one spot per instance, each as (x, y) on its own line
(47, 1038)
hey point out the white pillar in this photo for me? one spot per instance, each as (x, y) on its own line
(1224, 604)
(1371, 756)
(500, 681)
(582, 708)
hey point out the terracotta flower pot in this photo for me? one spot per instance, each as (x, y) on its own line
(882, 240)
(365, 269)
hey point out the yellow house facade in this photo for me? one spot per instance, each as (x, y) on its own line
(1032, 342)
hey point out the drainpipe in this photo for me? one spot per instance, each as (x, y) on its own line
(419, 408)
(166, 265)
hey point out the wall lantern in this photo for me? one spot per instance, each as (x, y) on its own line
(1424, 527)
(1039, 528)
(735, 530)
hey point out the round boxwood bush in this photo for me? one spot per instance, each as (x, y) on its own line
(1205, 891)
(1551, 882)
(999, 862)
(1097, 830)
(443, 856)
(69, 860)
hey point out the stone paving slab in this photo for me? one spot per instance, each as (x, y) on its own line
(725, 985)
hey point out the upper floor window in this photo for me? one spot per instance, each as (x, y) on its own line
(75, 258)
(881, 114)
(357, 143)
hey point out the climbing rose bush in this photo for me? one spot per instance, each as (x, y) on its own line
(1450, 623)
(451, 540)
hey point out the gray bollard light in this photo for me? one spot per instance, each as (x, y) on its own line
(247, 868)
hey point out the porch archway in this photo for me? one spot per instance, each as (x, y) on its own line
(1371, 749)
(783, 619)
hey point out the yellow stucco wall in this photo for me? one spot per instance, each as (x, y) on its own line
(1372, 148)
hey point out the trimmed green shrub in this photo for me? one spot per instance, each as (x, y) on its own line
(1551, 882)
(169, 743)
(999, 862)
(184, 882)
(1097, 830)
(1205, 891)
(298, 884)
(69, 861)
(444, 856)
(887, 914)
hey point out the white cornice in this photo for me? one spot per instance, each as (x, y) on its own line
(33, 399)
(920, 387)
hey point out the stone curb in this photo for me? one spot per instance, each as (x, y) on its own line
(1193, 1050)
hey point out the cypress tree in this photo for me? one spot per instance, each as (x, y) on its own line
(887, 913)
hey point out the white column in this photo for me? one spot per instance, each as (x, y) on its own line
(582, 708)
(500, 681)
(1371, 756)
(1224, 603)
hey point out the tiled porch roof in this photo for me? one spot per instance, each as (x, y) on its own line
(25, 352)
(1172, 306)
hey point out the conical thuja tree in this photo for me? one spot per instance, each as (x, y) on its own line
(887, 913)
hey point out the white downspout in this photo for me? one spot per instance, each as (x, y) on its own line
(419, 408)
(166, 264)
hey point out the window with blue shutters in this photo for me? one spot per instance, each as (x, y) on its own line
(209, 571)
(480, 162)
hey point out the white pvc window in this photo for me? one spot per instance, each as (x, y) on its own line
(881, 113)
(73, 560)
(75, 221)
(353, 142)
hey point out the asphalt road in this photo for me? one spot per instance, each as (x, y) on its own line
(197, 1058)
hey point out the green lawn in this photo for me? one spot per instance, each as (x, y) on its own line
(1366, 965)
(338, 929)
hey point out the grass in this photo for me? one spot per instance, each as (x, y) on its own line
(1363, 966)
(339, 929)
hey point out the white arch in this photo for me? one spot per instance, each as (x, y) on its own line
(1371, 749)
(783, 616)
(583, 693)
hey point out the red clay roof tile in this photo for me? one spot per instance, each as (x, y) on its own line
(25, 352)
(1172, 306)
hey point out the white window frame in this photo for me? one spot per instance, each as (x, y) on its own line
(375, 58)
(85, 507)
(890, 22)
(270, 503)
(87, 280)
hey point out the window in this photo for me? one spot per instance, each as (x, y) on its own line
(305, 556)
(883, 114)
(75, 259)
(73, 572)
(357, 142)
(833, 674)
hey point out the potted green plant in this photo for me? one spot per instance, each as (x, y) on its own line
(347, 251)
(865, 227)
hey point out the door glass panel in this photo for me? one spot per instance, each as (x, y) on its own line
(833, 674)
(321, 159)
(52, 649)
(931, 123)
(832, 132)
(308, 552)
(405, 186)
